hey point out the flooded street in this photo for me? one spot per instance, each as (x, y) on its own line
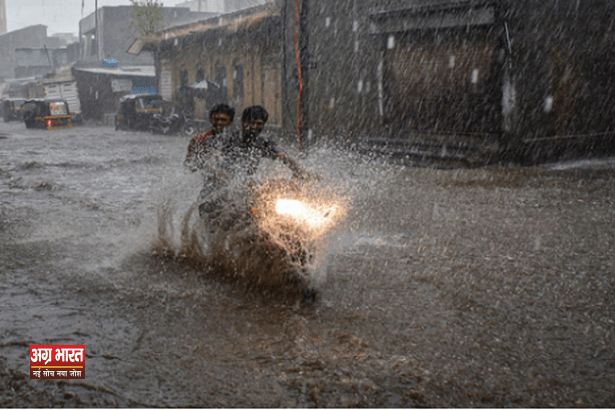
(490, 287)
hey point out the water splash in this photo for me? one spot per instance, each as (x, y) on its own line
(265, 248)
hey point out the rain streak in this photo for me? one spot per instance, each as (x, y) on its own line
(399, 203)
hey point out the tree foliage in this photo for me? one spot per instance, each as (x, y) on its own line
(146, 16)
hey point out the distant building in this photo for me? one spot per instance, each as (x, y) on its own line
(116, 34)
(37, 62)
(100, 88)
(221, 6)
(66, 38)
(28, 37)
(27, 87)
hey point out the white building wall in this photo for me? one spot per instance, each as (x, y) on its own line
(220, 6)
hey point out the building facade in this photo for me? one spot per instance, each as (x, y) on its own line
(28, 37)
(37, 62)
(516, 79)
(117, 32)
(240, 52)
(221, 6)
(489, 79)
(100, 88)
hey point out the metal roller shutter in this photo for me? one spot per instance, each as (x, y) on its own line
(442, 81)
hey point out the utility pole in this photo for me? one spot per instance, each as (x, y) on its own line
(302, 35)
(48, 58)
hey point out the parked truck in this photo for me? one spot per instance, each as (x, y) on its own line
(63, 86)
(67, 91)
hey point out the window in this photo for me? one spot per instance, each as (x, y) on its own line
(221, 80)
(183, 78)
(200, 75)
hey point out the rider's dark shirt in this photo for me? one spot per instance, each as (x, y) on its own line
(223, 157)
(246, 154)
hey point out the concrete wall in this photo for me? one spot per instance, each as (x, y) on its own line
(117, 34)
(513, 71)
(366, 79)
(33, 62)
(533, 80)
(339, 69)
(29, 37)
(564, 76)
(220, 6)
(247, 63)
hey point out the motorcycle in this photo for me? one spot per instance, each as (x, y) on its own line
(268, 239)
(192, 127)
(172, 124)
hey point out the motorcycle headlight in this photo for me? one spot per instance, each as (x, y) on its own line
(290, 207)
(304, 214)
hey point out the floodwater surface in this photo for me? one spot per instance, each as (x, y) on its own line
(441, 288)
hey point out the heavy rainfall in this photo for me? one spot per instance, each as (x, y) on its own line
(449, 242)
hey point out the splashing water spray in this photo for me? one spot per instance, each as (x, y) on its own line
(265, 235)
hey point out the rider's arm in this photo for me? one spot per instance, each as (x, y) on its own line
(190, 161)
(197, 147)
(292, 164)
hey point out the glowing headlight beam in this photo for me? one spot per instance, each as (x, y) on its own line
(302, 213)
(290, 207)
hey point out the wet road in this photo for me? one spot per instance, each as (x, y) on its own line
(466, 288)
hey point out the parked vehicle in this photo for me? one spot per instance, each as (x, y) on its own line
(47, 114)
(173, 124)
(12, 109)
(192, 126)
(136, 111)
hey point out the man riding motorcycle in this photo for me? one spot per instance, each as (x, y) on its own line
(230, 159)
(222, 155)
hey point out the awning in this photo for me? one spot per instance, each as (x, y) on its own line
(128, 71)
(136, 47)
(205, 85)
(205, 89)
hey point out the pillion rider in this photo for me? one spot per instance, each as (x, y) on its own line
(242, 149)
(221, 117)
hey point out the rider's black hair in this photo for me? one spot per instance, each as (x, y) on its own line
(222, 109)
(255, 112)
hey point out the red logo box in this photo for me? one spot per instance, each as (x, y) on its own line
(57, 361)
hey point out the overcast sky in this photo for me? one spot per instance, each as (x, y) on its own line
(60, 16)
